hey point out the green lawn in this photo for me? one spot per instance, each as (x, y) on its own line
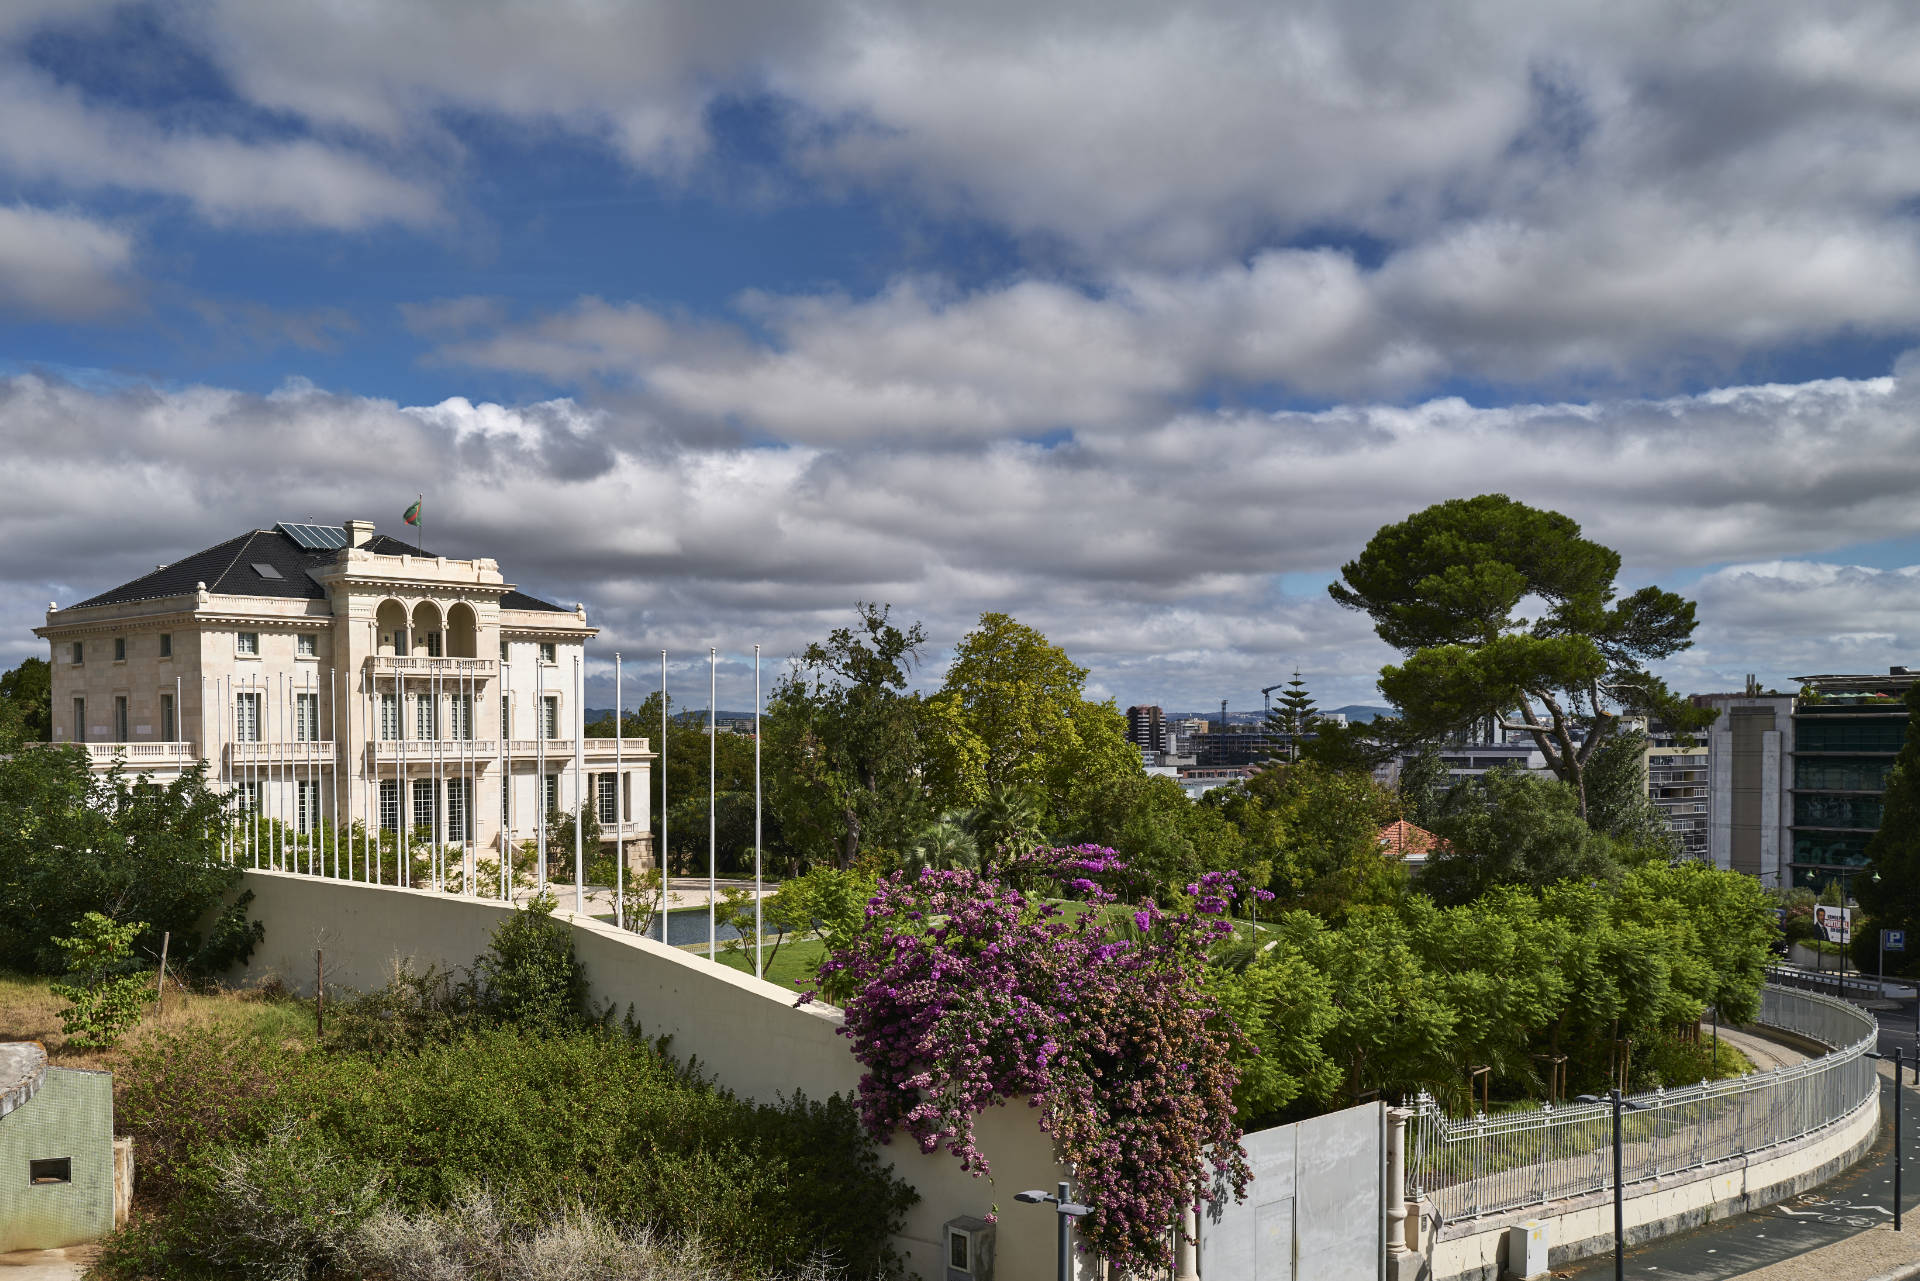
(793, 966)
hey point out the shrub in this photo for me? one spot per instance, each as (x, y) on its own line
(594, 1119)
(529, 975)
(107, 999)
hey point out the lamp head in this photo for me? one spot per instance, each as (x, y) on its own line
(1033, 1196)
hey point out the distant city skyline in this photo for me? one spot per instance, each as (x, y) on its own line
(1133, 323)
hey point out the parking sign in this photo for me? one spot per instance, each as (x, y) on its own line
(1893, 940)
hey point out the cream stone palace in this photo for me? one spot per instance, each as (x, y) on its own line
(332, 675)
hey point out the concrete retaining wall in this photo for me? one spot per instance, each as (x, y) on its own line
(746, 1033)
(1475, 1250)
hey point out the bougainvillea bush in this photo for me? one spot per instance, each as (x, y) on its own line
(966, 992)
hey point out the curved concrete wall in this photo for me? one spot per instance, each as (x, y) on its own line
(747, 1034)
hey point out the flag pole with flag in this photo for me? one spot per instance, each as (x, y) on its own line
(413, 518)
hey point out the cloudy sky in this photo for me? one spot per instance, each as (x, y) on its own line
(1133, 321)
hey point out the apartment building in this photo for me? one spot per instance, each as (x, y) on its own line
(333, 675)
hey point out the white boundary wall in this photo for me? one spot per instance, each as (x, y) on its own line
(746, 1033)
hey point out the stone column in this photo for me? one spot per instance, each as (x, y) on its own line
(1403, 1264)
(1187, 1246)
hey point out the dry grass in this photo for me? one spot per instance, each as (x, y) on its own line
(29, 1011)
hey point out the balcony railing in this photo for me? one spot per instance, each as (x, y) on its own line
(421, 665)
(598, 751)
(137, 755)
(299, 752)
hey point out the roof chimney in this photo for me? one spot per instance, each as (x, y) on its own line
(358, 532)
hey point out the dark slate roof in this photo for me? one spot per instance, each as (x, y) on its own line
(517, 599)
(228, 568)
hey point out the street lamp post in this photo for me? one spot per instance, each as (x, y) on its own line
(1619, 1182)
(1066, 1211)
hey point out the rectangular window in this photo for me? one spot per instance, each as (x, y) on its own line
(307, 804)
(462, 709)
(306, 718)
(389, 804)
(506, 802)
(169, 729)
(79, 653)
(166, 644)
(425, 813)
(603, 787)
(547, 653)
(119, 649)
(306, 645)
(79, 720)
(457, 810)
(426, 724)
(503, 653)
(506, 717)
(550, 716)
(119, 718)
(433, 644)
(247, 798)
(389, 717)
(246, 717)
(247, 644)
(550, 793)
(49, 1170)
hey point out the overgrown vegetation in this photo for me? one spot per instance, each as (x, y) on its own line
(486, 1116)
(73, 841)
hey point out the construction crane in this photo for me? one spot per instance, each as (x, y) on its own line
(1266, 696)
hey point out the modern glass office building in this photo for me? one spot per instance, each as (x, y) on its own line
(1847, 730)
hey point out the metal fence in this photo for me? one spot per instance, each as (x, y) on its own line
(1490, 1164)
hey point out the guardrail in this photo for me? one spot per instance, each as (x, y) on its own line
(1491, 1164)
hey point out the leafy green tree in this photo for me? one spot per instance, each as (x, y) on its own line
(1163, 836)
(1285, 1006)
(1509, 827)
(1424, 783)
(1290, 718)
(844, 732)
(1444, 587)
(109, 990)
(1891, 894)
(1315, 832)
(72, 842)
(26, 702)
(1012, 713)
(1617, 802)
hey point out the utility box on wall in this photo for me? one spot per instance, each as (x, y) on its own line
(969, 1248)
(1527, 1246)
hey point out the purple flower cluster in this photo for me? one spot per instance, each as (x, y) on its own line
(968, 993)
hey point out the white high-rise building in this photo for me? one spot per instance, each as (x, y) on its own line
(329, 675)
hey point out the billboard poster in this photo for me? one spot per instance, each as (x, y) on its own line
(1834, 923)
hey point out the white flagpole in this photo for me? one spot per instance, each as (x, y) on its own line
(713, 844)
(660, 855)
(506, 783)
(759, 945)
(540, 754)
(619, 807)
(436, 804)
(402, 800)
(579, 785)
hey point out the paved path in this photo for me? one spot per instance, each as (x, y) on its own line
(46, 1265)
(1761, 1051)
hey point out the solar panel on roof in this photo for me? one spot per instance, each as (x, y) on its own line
(315, 538)
(265, 571)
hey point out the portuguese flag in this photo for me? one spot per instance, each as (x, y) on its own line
(413, 513)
